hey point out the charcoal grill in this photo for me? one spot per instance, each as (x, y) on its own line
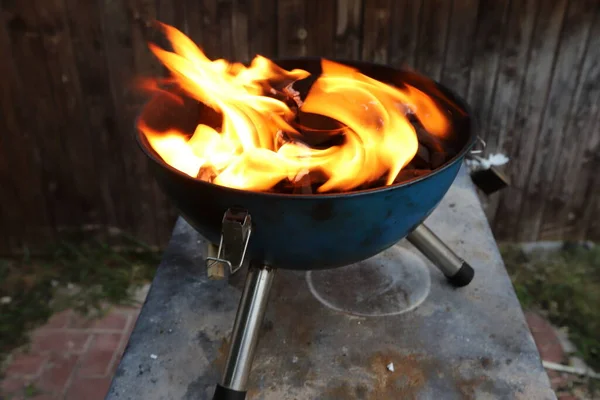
(270, 231)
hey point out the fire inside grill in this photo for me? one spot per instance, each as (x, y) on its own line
(264, 128)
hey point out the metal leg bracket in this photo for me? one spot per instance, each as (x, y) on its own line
(457, 271)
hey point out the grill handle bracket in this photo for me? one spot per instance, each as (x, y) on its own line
(229, 257)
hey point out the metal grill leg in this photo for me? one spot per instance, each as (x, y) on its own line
(244, 337)
(456, 270)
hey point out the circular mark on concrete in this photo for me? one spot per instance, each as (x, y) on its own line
(392, 282)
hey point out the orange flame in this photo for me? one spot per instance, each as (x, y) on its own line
(249, 152)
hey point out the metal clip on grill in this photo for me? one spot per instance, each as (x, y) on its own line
(235, 235)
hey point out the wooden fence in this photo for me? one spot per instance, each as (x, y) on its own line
(530, 69)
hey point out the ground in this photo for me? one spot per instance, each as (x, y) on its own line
(74, 358)
(567, 386)
(70, 357)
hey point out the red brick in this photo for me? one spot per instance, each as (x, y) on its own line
(57, 373)
(26, 365)
(10, 386)
(545, 338)
(44, 396)
(560, 381)
(88, 389)
(567, 397)
(79, 321)
(114, 320)
(97, 359)
(135, 308)
(59, 341)
(58, 320)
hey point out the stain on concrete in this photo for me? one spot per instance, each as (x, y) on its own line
(405, 382)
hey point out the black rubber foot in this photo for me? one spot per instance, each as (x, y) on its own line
(223, 393)
(463, 277)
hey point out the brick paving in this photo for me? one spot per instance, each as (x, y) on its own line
(546, 339)
(69, 358)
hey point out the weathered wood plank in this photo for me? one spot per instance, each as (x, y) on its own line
(433, 32)
(209, 24)
(405, 22)
(11, 206)
(97, 105)
(487, 48)
(33, 96)
(78, 202)
(376, 31)
(25, 221)
(194, 20)
(511, 72)
(459, 52)
(224, 10)
(10, 198)
(291, 28)
(565, 205)
(528, 117)
(144, 12)
(551, 137)
(117, 20)
(239, 30)
(321, 28)
(348, 29)
(513, 55)
(175, 13)
(262, 35)
(591, 213)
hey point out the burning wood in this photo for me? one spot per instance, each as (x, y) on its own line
(206, 174)
(438, 158)
(346, 132)
(408, 174)
(293, 95)
(302, 183)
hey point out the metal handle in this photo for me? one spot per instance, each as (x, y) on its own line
(235, 236)
(476, 151)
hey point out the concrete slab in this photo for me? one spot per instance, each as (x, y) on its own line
(468, 343)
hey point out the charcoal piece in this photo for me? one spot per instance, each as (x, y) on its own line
(293, 95)
(379, 182)
(302, 185)
(281, 138)
(210, 117)
(282, 95)
(408, 174)
(284, 186)
(432, 143)
(438, 159)
(206, 174)
(423, 153)
(317, 131)
(421, 160)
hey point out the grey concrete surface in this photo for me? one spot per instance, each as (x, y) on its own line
(468, 343)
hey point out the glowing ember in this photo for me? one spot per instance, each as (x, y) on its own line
(258, 144)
